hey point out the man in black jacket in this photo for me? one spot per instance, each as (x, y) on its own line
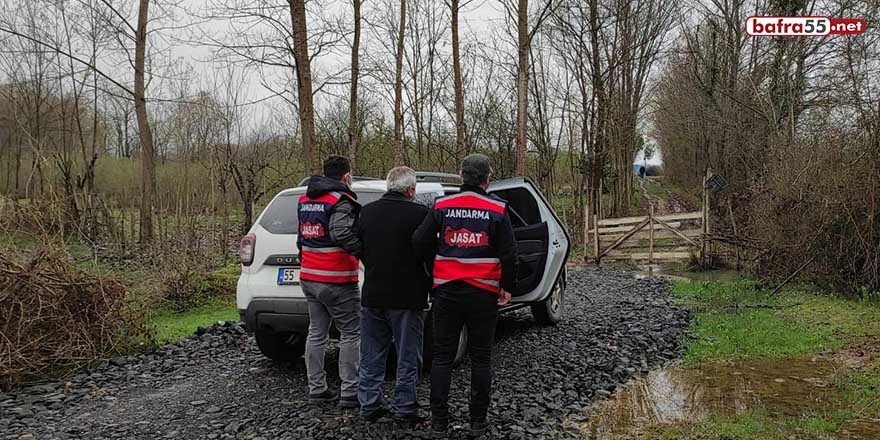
(395, 294)
(329, 249)
(474, 269)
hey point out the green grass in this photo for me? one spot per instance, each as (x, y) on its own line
(218, 286)
(170, 326)
(737, 320)
(754, 424)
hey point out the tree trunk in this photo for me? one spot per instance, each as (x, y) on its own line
(460, 146)
(354, 127)
(148, 183)
(522, 90)
(399, 158)
(598, 164)
(304, 85)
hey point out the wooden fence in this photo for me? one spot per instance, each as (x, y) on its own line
(651, 238)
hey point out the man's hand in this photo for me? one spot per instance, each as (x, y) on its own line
(503, 298)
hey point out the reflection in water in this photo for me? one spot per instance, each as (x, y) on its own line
(670, 395)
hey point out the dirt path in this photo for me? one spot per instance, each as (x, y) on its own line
(218, 386)
(668, 203)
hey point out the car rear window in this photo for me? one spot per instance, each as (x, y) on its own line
(281, 217)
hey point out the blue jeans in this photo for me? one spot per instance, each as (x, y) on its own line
(378, 327)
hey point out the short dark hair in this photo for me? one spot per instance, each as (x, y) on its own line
(475, 168)
(336, 166)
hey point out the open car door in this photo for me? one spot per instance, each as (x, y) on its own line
(542, 244)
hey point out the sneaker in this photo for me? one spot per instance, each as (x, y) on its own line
(326, 396)
(375, 414)
(479, 427)
(410, 418)
(349, 402)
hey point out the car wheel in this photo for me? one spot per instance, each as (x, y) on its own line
(428, 345)
(549, 311)
(462, 347)
(282, 347)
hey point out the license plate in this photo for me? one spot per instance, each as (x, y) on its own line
(287, 276)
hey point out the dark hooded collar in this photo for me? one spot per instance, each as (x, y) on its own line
(320, 185)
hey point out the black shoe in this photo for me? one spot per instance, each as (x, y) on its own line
(326, 396)
(410, 418)
(349, 402)
(439, 427)
(479, 427)
(375, 414)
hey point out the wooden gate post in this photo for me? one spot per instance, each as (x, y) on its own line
(705, 219)
(651, 235)
(596, 237)
(586, 230)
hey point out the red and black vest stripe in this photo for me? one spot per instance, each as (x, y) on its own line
(466, 252)
(322, 260)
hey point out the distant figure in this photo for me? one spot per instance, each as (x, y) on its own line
(640, 170)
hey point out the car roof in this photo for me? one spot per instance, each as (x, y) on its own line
(448, 182)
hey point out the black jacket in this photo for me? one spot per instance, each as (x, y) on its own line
(394, 275)
(343, 216)
(426, 236)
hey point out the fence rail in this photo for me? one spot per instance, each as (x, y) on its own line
(651, 238)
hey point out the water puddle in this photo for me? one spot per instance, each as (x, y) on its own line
(672, 395)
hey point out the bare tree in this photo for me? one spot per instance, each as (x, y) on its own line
(354, 124)
(399, 156)
(145, 132)
(524, 37)
(461, 146)
(304, 84)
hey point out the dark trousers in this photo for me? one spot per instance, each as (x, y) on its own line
(456, 305)
(378, 328)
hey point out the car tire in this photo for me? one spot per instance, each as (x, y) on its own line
(281, 347)
(550, 311)
(461, 353)
(428, 345)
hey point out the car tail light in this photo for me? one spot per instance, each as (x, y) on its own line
(246, 249)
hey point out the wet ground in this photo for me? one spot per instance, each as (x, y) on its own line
(676, 395)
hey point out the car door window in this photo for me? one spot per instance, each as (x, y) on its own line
(523, 206)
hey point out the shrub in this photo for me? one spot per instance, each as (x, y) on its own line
(55, 318)
(187, 287)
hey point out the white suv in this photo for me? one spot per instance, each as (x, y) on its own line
(272, 305)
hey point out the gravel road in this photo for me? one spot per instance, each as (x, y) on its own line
(217, 385)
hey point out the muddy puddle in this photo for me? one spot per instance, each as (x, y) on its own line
(673, 395)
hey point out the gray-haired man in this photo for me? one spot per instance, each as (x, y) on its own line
(394, 295)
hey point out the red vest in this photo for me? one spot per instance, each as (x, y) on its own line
(322, 260)
(467, 223)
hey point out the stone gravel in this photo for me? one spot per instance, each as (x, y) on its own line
(216, 384)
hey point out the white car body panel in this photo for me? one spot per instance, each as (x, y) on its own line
(261, 281)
